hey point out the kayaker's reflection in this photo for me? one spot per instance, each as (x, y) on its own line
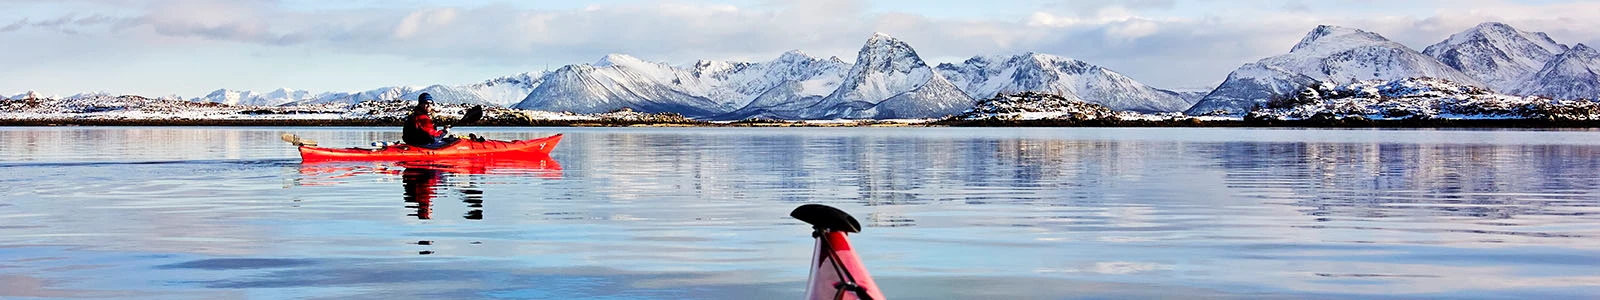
(423, 181)
(421, 184)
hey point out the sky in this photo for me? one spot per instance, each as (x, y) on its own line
(192, 47)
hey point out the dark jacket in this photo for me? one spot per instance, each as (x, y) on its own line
(419, 131)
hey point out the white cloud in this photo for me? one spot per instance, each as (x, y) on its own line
(432, 18)
(1133, 29)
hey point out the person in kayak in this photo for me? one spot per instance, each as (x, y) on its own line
(419, 130)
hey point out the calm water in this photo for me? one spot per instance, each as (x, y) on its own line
(209, 213)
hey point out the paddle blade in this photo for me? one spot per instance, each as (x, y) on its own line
(296, 140)
(826, 217)
(473, 115)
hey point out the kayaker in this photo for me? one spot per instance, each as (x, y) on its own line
(419, 130)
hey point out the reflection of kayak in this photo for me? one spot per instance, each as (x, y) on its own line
(426, 179)
(466, 148)
(539, 165)
(836, 271)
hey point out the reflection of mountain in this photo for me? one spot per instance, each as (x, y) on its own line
(872, 169)
(1438, 182)
(1132, 187)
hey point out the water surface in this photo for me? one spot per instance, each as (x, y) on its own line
(665, 213)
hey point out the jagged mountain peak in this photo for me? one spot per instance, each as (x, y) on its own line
(1581, 49)
(1500, 56)
(883, 53)
(885, 56)
(880, 37)
(1574, 74)
(708, 68)
(1330, 36)
(1498, 33)
(982, 77)
(794, 55)
(1497, 30)
(1046, 57)
(1486, 29)
(623, 60)
(889, 80)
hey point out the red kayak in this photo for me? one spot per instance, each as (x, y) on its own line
(836, 272)
(466, 148)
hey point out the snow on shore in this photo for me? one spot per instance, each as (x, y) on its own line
(1419, 98)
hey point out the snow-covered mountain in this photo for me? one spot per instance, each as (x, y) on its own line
(27, 95)
(707, 89)
(378, 94)
(620, 81)
(790, 83)
(501, 92)
(890, 81)
(1500, 56)
(983, 77)
(274, 98)
(741, 84)
(1327, 54)
(1190, 97)
(1575, 74)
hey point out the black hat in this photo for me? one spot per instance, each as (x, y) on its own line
(424, 98)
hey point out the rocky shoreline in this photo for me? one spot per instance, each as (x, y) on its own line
(1324, 123)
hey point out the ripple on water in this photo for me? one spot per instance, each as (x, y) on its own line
(702, 213)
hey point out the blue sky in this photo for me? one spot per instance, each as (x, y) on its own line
(191, 47)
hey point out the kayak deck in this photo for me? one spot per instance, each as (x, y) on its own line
(837, 273)
(464, 149)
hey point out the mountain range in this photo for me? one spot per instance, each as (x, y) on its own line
(888, 79)
(1491, 55)
(1327, 54)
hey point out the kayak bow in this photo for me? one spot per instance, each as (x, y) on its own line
(466, 148)
(836, 272)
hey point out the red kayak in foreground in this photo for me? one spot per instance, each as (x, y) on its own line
(836, 272)
(466, 148)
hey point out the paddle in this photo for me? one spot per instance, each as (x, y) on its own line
(472, 115)
(296, 140)
(826, 217)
